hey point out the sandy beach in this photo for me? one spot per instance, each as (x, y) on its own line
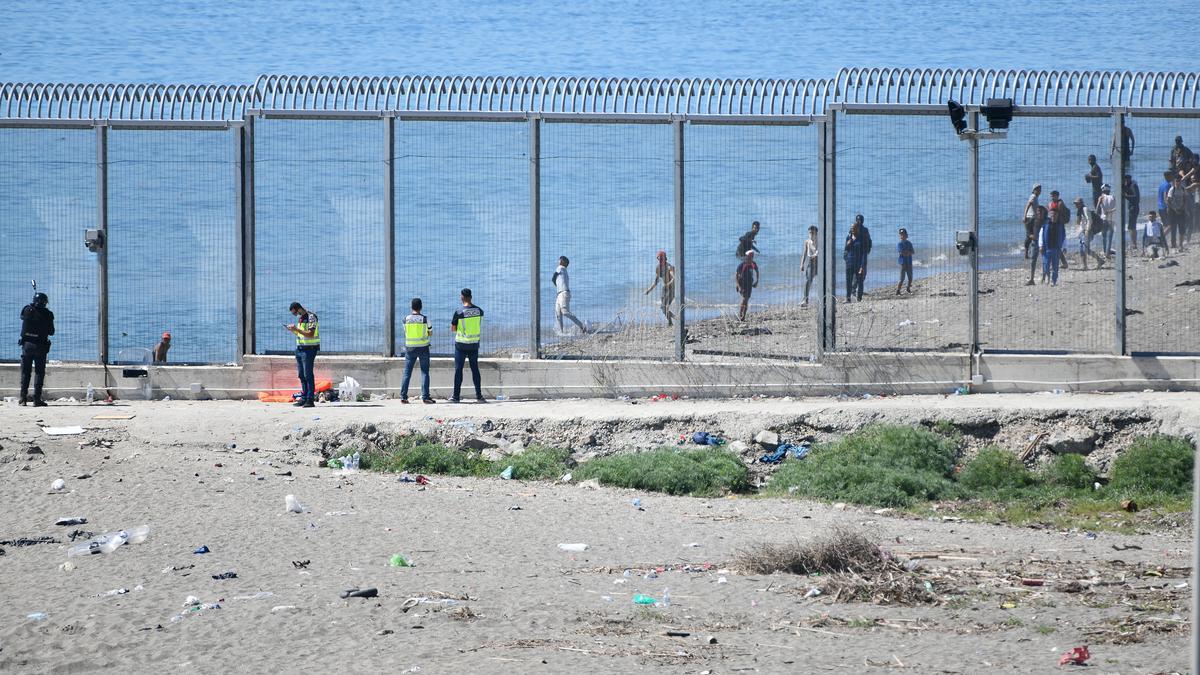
(491, 591)
(1077, 316)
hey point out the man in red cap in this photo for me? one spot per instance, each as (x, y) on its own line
(160, 349)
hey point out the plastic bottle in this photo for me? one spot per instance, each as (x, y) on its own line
(91, 393)
(666, 601)
(114, 541)
(293, 504)
(573, 548)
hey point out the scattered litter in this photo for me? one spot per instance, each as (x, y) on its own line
(202, 550)
(692, 545)
(641, 599)
(37, 616)
(1033, 582)
(1169, 263)
(1077, 656)
(293, 505)
(678, 633)
(722, 580)
(813, 592)
(28, 541)
(1090, 535)
(63, 431)
(1116, 547)
(398, 560)
(58, 485)
(705, 438)
(573, 548)
(507, 473)
(224, 575)
(360, 593)
(283, 608)
(110, 541)
(71, 521)
(1129, 505)
(349, 390)
(906, 322)
(301, 564)
(566, 478)
(257, 596)
(115, 417)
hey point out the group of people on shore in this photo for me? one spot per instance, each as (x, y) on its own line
(1169, 226)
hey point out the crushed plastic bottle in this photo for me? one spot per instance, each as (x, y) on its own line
(293, 505)
(91, 393)
(573, 548)
(507, 473)
(666, 599)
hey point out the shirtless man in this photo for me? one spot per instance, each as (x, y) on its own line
(665, 272)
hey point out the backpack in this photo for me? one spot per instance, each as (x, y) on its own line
(1176, 199)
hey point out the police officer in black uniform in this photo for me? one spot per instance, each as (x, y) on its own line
(37, 325)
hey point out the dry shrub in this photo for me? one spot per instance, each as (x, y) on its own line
(842, 550)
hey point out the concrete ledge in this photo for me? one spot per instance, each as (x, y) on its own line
(849, 373)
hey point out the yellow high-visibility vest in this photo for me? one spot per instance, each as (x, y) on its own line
(469, 327)
(416, 331)
(315, 340)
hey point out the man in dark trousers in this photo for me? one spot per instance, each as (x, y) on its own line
(37, 325)
(746, 241)
(417, 332)
(864, 234)
(308, 343)
(746, 280)
(467, 325)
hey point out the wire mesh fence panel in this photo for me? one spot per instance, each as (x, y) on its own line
(1162, 287)
(736, 176)
(173, 191)
(901, 284)
(607, 196)
(1035, 297)
(462, 221)
(320, 231)
(47, 201)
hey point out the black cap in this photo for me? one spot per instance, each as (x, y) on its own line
(41, 299)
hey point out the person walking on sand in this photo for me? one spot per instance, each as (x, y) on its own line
(1177, 205)
(904, 251)
(1060, 213)
(37, 325)
(1040, 219)
(746, 280)
(1095, 177)
(417, 334)
(1084, 231)
(467, 325)
(865, 234)
(1180, 154)
(664, 272)
(746, 241)
(562, 299)
(855, 259)
(1164, 213)
(308, 343)
(808, 262)
(1029, 219)
(1106, 208)
(1133, 205)
(1054, 235)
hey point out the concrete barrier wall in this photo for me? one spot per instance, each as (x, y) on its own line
(852, 373)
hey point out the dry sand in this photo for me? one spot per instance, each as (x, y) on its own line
(1077, 316)
(521, 604)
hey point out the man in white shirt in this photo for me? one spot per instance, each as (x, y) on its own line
(1152, 235)
(1106, 207)
(562, 301)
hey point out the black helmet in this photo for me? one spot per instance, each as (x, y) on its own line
(40, 299)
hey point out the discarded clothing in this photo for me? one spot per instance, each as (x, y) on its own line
(797, 451)
(705, 438)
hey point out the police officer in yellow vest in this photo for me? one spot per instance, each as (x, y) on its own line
(417, 332)
(308, 343)
(467, 325)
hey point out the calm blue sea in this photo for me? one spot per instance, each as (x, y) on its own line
(461, 189)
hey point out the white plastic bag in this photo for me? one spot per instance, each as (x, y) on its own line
(349, 390)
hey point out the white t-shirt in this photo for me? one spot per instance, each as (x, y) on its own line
(561, 282)
(1108, 204)
(1153, 228)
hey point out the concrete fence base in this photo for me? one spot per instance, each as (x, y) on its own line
(850, 373)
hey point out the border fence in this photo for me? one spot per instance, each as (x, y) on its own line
(219, 205)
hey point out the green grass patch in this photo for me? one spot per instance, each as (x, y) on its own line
(994, 471)
(417, 454)
(704, 472)
(879, 466)
(1068, 471)
(538, 462)
(1158, 464)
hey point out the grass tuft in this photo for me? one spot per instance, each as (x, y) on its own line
(1158, 464)
(842, 550)
(538, 462)
(704, 472)
(417, 454)
(1068, 471)
(995, 471)
(880, 466)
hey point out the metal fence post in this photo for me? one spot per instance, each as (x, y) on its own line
(680, 263)
(829, 235)
(535, 236)
(239, 169)
(973, 205)
(102, 253)
(822, 181)
(248, 280)
(389, 236)
(1118, 157)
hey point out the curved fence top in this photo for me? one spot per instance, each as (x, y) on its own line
(1024, 87)
(697, 96)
